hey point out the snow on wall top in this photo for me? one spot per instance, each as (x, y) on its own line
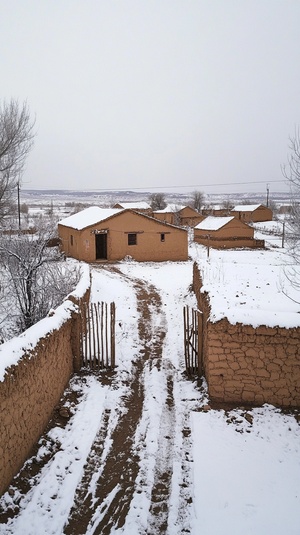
(135, 205)
(245, 207)
(89, 216)
(249, 287)
(213, 223)
(13, 350)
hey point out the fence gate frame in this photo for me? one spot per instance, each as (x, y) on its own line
(193, 340)
(97, 335)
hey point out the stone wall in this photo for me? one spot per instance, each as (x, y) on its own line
(32, 388)
(247, 365)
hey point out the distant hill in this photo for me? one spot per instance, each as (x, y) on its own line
(109, 197)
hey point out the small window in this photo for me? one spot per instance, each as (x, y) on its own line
(132, 239)
(71, 239)
(162, 237)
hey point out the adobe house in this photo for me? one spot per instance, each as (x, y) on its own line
(225, 233)
(112, 234)
(142, 207)
(169, 214)
(253, 213)
(179, 215)
(216, 210)
(189, 216)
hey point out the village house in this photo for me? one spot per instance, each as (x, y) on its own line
(189, 217)
(252, 213)
(179, 215)
(225, 232)
(99, 234)
(137, 206)
(169, 214)
(216, 210)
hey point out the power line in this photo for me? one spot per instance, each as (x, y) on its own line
(145, 188)
(190, 186)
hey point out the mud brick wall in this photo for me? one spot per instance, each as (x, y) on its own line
(31, 390)
(247, 365)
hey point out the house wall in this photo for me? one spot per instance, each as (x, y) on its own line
(147, 211)
(31, 390)
(149, 246)
(262, 213)
(216, 212)
(233, 229)
(190, 217)
(233, 234)
(229, 243)
(79, 244)
(247, 365)
(166, 217)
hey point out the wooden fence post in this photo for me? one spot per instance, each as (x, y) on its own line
(193, 324)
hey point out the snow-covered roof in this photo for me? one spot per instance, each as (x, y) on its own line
(88, 216)
(135, 205)
(170, 208)
(245, 207)
(213, 223)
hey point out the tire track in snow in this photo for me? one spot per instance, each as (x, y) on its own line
(159, 508)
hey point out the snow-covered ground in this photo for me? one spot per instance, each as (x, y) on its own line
(232, 472)
(250, 286)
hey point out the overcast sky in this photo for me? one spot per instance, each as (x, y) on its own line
(155, 93)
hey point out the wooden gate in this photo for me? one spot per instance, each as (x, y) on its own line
(97, 335)
(193, 343)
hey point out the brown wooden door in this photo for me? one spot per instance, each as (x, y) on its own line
(101, 246)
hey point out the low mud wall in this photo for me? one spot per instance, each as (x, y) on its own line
(32, 387)
(229, 243)
(243, 364)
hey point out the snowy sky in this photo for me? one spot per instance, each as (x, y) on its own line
(152, 94)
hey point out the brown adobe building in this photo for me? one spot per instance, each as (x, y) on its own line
(138, 206)
(189, 217)
(176, 215)
(225, 233)
(98, 234)
(252, 213)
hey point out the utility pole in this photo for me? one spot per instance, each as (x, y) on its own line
(208, 244)
(283, 234)
(267, 195)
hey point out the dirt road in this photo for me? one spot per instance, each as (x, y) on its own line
(129, 471)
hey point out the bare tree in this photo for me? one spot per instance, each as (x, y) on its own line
(175, 209)
(273, 206)
(227, 206)
(157, 201)
(197, 200)
(16, 140)
(35, 279)
(291, 171)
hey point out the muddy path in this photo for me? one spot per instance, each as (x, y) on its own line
(123, 479)
(107, 505)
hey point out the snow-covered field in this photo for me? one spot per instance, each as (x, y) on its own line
(231, 472)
